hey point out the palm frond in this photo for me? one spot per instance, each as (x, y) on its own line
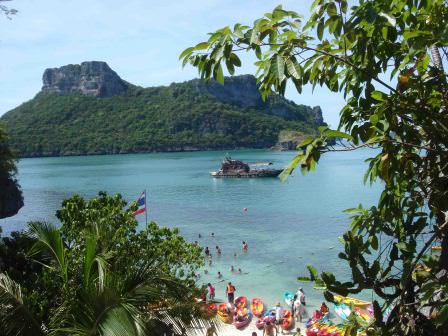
(92, 258)
(51, 241)
(15, 317)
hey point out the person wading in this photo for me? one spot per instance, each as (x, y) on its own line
(230, 291)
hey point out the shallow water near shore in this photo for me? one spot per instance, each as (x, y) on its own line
(287, 225)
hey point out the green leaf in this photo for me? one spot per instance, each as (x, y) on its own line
(331, 9)
(235, 60)
(303, 279)
(254, 35)
(219, 76)
(390, 18)
(374, 119)
(201, 46)
(291, 67)
(305, 142)
(378, 95)
(230, 67)
(278, 67)
(186, 52)
(337, 134)
(320, 30)
(313, 272)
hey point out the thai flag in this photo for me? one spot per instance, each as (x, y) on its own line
(141, 202)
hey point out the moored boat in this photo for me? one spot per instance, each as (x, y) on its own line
(237, 168)
(349, 300)
(257, 307)
(240, 302)
(287, 321)
(225, 314)
(242, 321)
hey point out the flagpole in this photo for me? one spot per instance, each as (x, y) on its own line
(146, 210)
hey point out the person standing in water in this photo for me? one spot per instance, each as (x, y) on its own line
(301, 296)
(230, 292)
(245, 247)
(278, 313)
(211, 291)
(299, 310)
(207, 251)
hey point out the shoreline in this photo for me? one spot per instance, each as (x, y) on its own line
(271, 149)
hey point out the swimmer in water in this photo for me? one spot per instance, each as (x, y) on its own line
(232, 269)
(219, 275)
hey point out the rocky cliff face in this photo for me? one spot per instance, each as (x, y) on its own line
(238, 90)
(90, 78)
(318, 117)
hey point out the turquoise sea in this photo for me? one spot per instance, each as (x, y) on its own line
(287, 225)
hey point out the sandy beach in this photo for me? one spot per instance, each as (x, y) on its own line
(229, 330)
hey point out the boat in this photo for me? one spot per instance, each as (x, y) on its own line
(240, 302)
(329, 329)
(344, 311)
(288, 297)
(287, 321)
(348, 301)
(257, 307)
(224, 315)
(436, 248)
(242, 321)
(237, 168)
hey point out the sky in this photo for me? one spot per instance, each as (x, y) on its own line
(139, 39)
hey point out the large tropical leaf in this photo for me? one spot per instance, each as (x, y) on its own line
(50, 241)
(15, 317)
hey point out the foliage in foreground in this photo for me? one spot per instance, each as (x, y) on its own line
(386, 57)
(97, 275)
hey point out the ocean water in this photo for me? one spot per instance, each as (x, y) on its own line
(286, 225)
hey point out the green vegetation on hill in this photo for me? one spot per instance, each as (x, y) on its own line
(182, 116)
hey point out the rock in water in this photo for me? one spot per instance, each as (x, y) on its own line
(90, 78)
(11, 199)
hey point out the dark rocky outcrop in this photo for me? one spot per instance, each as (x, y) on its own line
(243, 92)
(238, 90)
(90, 78)
(318, 117)
(11, 199)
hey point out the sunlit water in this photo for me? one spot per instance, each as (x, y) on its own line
(287, 225)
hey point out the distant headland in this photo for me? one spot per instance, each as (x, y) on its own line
(86, 109)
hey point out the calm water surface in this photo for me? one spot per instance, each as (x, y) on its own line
(287, 225)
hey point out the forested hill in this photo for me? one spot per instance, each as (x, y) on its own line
(89, 109)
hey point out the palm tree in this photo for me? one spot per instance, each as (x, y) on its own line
(96, 301)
